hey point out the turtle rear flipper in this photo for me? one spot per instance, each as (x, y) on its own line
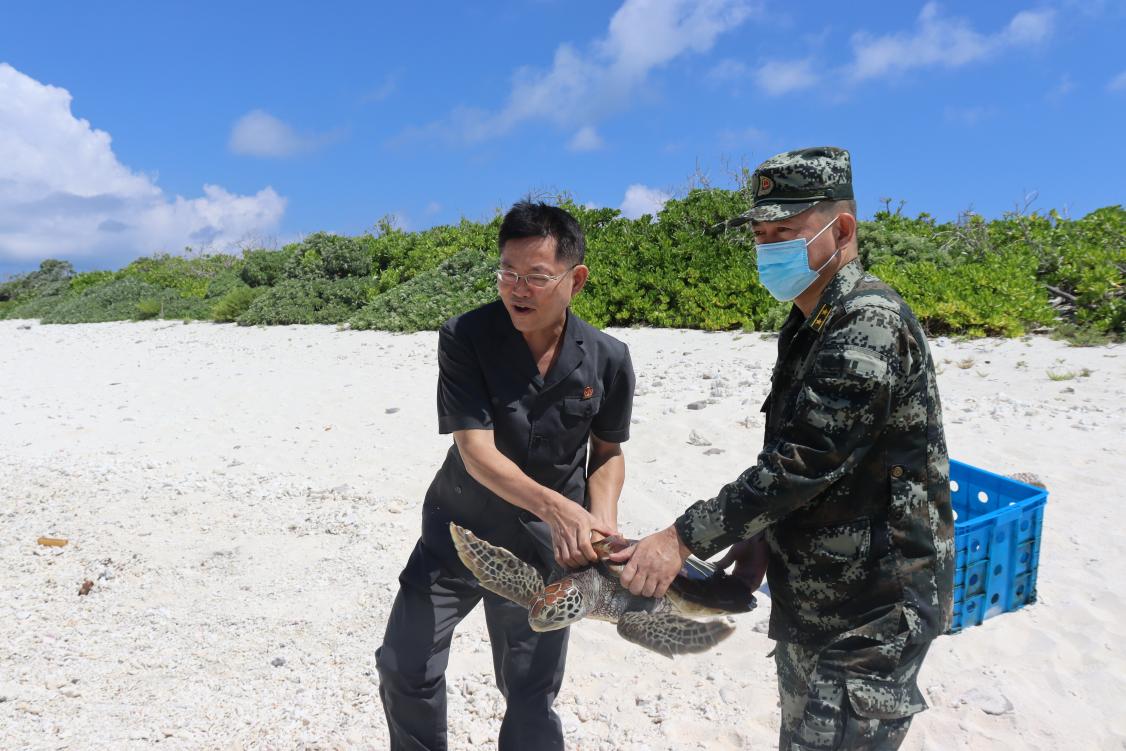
(498, 570)
(670, 634)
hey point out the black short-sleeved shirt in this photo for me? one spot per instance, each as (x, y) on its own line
(488, 380)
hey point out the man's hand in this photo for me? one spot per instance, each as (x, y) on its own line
(571, 528)
(652, 563)
(750, 558)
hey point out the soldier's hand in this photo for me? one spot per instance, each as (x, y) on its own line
(652, 563)
(571, 528)
(750, 558)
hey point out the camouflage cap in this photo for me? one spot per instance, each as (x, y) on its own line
(790, 183)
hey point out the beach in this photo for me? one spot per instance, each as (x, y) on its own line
(242, 500)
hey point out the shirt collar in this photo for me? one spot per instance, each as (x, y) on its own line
(842, 283)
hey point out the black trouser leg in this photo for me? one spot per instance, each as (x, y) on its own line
(529, 672)
(412, 660)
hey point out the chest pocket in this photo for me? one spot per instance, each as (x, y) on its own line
(577, 410)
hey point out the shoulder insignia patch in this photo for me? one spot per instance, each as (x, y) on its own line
(821, 318)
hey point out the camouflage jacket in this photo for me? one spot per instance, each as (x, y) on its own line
(852, 485)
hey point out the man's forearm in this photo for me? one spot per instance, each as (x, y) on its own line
(604, 488)
(500, 474)
(605, 480)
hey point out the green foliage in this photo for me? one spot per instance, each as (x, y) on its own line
(458, 284)
(995, 295)
(52, 278)
(400, 256)
(149, 308)
(672, 272)
(308, 301)
(326, 256)
(234, 303)
(123, 299)
(83, 282)
(973, 276)
(265, 268)
(187, 276)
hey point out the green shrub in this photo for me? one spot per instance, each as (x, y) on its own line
(236, 302)
(995, 295)
(120, 300)
(83, 282)
(149, 308)
(971, 276)
(308, 301)
(52, 278)
(458, 284)
(187, 276)
(326, 256)
(400, 256)
(673, 272)
(265, 268)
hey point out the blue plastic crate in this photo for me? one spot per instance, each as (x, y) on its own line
(997, 526)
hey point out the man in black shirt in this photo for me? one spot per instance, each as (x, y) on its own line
(524, 386)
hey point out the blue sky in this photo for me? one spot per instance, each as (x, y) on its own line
(128, 128)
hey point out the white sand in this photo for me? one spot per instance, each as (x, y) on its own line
(242, 497)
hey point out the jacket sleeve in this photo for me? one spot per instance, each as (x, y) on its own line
(463, 398)
(842, 406)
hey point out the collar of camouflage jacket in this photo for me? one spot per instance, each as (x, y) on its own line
(843, 282)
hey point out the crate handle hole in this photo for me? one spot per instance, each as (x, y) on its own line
(955, 516)
(994, 599)
(1024, 557)
(953, 486)
(997, 570)
(970, 607)
(973, 580)
(983, 496)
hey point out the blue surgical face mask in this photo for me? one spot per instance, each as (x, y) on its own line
(783, 267)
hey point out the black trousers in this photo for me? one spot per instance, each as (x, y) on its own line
(412, 660)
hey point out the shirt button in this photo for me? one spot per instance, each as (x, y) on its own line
(897, 471)
(457, 489)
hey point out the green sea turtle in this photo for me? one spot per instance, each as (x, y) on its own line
(663, 624)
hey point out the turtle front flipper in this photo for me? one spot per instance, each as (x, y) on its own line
(670, 634)
(498, 570)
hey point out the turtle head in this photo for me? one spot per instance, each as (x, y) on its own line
(560, 604)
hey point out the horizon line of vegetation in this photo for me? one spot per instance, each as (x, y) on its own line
(1021, 273)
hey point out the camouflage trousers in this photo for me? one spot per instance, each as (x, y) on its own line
(859, 693)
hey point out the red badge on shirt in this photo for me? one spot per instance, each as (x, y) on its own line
(588, 392)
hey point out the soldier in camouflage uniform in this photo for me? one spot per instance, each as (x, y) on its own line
(848, 505)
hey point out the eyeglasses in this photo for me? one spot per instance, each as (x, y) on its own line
(537, 281)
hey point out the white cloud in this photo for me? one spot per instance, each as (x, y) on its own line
(385, 89)
(259, 133)
(942, 42)
(585, 139)
(743, 138)
(969, 115)
(1059, 92)
(641, 199)
(432, 208)
(64, 193)
(1118, 83)
(583, 87)
(728, 71)
(782, 77)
